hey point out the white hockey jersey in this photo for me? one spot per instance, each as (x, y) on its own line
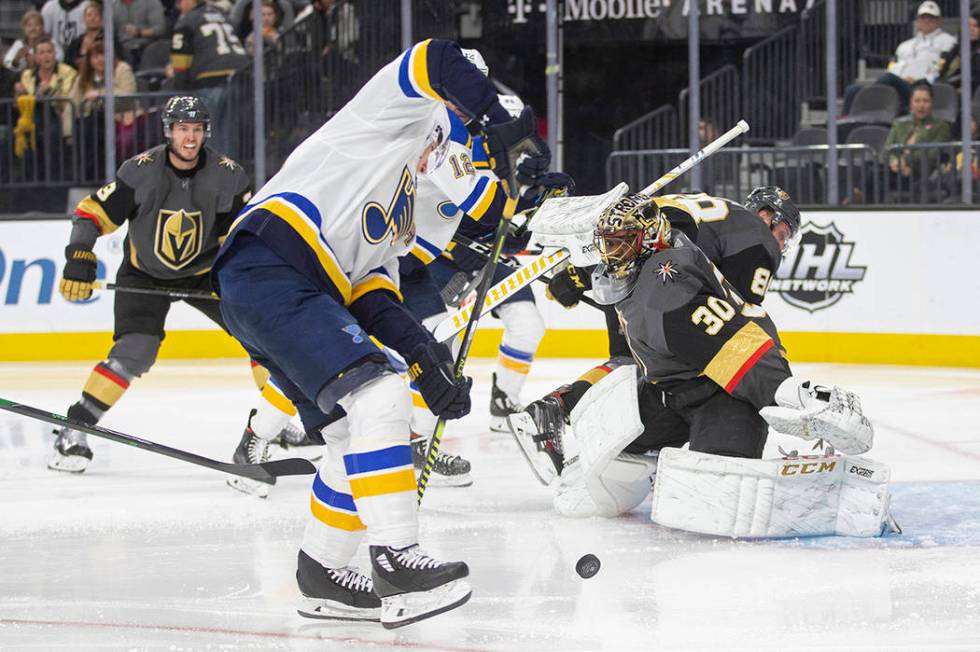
(463, 185)
(350, 190)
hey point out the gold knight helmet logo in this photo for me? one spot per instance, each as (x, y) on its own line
(178, 240)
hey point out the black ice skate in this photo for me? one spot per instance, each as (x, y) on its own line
(413, 586)
(252, 449)
(296, 442)
(501, 407)
(71, 451)
(538, 431)
(447, 471)
(335, 593)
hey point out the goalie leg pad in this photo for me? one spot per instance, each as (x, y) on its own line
(604, 421)
(736, 497)
(623, 484)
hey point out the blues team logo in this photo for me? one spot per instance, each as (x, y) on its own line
(397, 221)
(179, 238)
(819, 272)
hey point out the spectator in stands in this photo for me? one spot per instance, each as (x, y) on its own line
(88, 92)
(93, 34)
(917, 59)
(47, 79)
(241, 16)
(64, 20)
(950, 62)
(20, 55)
(271, 19)
(138, 22)
(906, 167)
(204, 54)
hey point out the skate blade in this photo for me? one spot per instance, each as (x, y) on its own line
(249, 487)
(407, 608)
(68, 463)
(522, 427)
(331, 610)
(439, 480)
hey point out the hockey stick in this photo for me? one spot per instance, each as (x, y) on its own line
(266, 472)
(167, 292)
(509, 261)
(499, 293)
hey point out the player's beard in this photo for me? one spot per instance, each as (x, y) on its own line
(177, 151)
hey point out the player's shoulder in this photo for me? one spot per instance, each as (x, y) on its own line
(144, 165)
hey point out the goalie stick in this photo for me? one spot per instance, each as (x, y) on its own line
(266, 472)
(458, 319)
(509, 261)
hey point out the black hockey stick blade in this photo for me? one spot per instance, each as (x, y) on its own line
(265, 472)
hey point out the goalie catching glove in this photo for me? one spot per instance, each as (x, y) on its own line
(430, 367)
(813, 411)
(79, 273)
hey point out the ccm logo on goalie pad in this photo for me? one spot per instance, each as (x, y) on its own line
(808, 467)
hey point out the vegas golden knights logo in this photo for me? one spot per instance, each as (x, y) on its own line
(179, 237)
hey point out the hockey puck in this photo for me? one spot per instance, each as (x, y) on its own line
(587, 566)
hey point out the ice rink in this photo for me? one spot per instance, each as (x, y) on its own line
(144, 552)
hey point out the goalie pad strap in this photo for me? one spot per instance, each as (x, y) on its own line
(738, 497)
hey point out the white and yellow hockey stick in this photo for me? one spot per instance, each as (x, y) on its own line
(457, 320)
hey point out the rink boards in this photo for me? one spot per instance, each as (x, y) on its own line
(883, 286)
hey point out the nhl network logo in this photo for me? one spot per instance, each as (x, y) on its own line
(817, 273)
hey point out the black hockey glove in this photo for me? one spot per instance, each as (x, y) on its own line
(79, 273)
(430, 367)
(557, 183)
(506, 142)
(567, 286)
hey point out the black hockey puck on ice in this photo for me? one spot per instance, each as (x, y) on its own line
(587, 566)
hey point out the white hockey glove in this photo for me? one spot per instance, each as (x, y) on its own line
(813, 411)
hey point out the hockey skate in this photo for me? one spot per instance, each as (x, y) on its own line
(335, 593)
(501, 407)
(413, 586)
(71, 451)
(252, 449)
(293, 441)
(447, 471)
(538, 431)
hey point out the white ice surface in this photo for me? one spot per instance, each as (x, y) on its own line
(143, 552)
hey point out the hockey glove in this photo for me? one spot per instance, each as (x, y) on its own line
(78, 275)
(813, 411)
(567, 286)
(507, 142)
(430, 367)
(558, 183)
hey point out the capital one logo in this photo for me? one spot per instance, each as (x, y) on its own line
(817, 273)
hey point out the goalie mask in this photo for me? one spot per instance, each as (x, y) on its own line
(784, 211)
(628, 232)
(185, 108)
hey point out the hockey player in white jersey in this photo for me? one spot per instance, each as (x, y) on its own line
(308, 283)
(466, 195)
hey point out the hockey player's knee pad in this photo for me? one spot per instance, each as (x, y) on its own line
(523, 325)
(378, 413)
(134, 353)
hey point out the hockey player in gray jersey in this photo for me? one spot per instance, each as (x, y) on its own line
(179, 200)
(745, 242)
(713, 375)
